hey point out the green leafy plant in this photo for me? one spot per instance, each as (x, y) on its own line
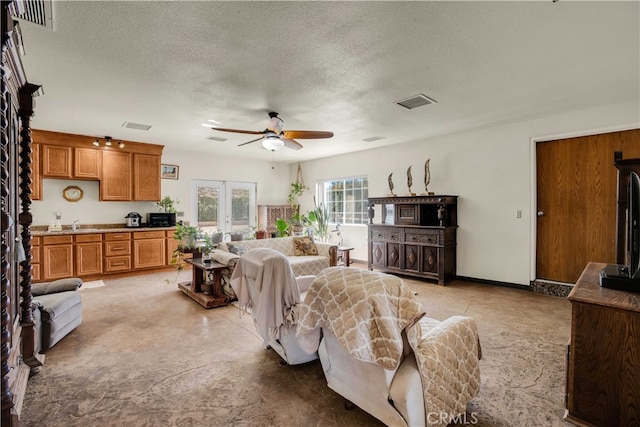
(317, 220)
(282, 227)
(297, 188)
(187, 234)
(167, 204)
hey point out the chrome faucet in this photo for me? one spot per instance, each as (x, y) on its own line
(75, 225)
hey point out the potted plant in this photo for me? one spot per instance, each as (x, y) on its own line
(261, 233)
(167, 204)
(317, 221)
(297, 188)
(282, 228)
(188, 236)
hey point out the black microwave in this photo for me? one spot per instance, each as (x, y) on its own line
(161, 219)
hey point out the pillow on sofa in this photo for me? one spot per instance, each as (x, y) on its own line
(234, 248)
(304, 246)
(60, 285)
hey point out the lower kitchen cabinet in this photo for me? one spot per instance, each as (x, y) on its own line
(88, 254)
(149, 249)
(117, 252)
(36, 250)
(172, 245)
(57, 257)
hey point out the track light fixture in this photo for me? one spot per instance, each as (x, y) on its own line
(96, 143)
(108, 142)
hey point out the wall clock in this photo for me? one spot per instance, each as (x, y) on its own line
(72, 193)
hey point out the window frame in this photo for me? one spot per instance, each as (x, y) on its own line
(347, 185)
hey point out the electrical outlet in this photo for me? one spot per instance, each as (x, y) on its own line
(518, 213)
(58, 215)
(179, 214)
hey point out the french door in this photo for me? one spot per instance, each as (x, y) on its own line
(223, 206)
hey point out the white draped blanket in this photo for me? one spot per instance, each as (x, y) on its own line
(367, 312)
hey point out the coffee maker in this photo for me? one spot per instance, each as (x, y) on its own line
(133, 220)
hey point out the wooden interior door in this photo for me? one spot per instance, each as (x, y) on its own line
(576, 201)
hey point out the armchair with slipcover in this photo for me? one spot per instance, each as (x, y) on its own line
(379, 351)
(265, 285)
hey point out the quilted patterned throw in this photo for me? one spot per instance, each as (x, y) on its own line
(365, 310)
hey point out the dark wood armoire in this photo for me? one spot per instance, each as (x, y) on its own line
(19, 358)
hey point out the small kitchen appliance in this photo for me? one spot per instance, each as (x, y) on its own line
(161, 219)
(133, 219)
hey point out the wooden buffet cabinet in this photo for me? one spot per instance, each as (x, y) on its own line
(131, 173)
(603, 355)
(416, 236)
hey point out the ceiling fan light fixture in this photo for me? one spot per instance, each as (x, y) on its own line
(273, 143)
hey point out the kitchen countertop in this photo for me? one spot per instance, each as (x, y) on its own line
(90, 229)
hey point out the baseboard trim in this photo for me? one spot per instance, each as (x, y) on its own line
(495, 282)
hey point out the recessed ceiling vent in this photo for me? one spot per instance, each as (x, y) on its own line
(217, 138)
(137, 126)
(36, 11)
(415, 101)
(373, 138)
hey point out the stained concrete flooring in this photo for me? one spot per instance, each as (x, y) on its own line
(146, 355)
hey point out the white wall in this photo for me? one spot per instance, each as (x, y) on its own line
(492, 172)
(272, 188)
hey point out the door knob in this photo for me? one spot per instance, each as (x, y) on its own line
(540, 213)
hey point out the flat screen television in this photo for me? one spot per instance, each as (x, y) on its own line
(627, 277)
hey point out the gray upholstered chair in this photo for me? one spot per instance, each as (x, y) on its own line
(57, 310)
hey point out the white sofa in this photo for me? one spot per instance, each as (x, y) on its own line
(303, 265)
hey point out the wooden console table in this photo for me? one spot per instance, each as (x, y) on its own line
(205, 275)
(603, 369)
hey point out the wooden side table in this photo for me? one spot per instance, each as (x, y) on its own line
(205, 274)
(344, 254)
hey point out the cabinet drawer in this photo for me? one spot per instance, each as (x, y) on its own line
(423, 236)
(117, 263)
(87, 238)
(35, 241)
(385, 234)
(169, 234)
(117, 248)
(57, 240)
(149, 235)
(116, 236)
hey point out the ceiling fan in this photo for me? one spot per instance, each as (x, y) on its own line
(274, 138)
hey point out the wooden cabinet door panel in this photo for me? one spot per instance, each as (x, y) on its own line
(87, 163)
(172, 245)
(429, 259)
(35, 273)
(411, 258)
(56, 161)
(36, 175)
(116, 176)
(393, 255)
(146, 177)
(57, 262)
(88, 258)
(148, 253)
(378, 254)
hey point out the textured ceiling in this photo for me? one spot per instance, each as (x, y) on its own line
(336, 66)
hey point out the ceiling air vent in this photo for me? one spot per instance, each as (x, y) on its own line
(373, 138)
(415, 101)
(137, 126)
(217, 138)
(36, 11)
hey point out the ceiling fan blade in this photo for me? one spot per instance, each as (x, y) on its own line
(306, 134)
(291, 143)
(250, 132)
(249, 142)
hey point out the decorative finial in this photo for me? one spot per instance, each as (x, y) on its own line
(390, 183)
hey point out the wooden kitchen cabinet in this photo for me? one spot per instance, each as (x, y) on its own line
(172, 245)
(36, 250)
(146, 177)
(56, 161)
(88, 254)
(57, 257)
(36, 175)
(116, 182)
(149, 249)
(87, 163)
(117, 252)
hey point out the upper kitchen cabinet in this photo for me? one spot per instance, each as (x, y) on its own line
(127, 172)
(146, 177)
(56, 161)
(36, 175)
(117, 173)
